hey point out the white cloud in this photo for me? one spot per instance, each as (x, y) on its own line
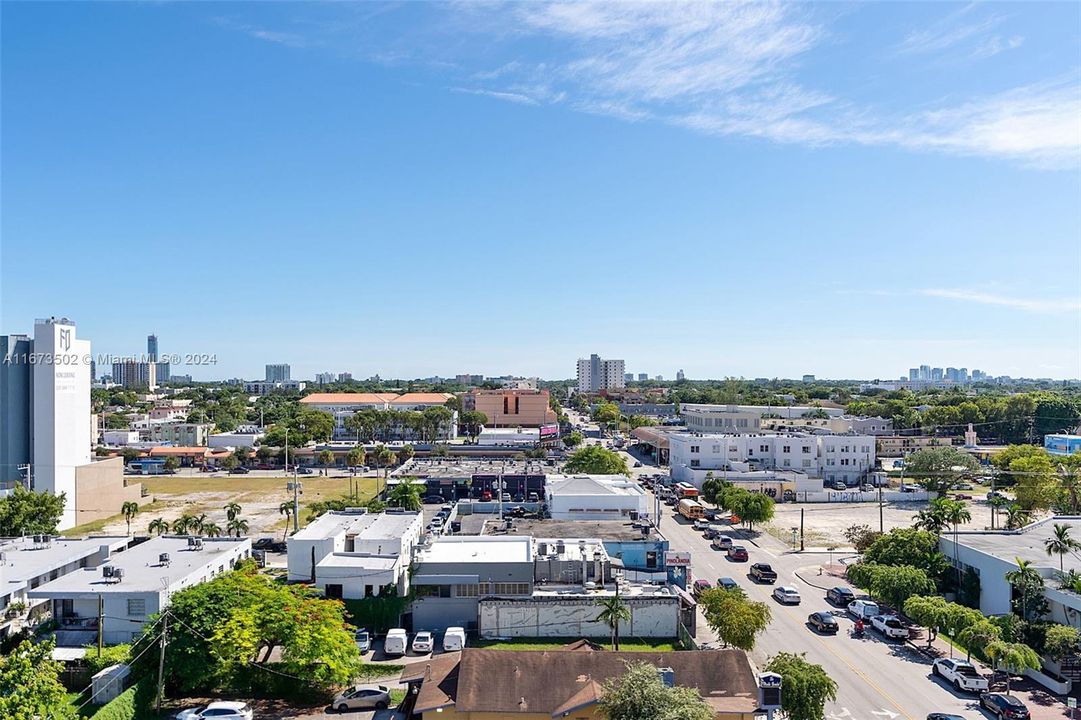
(948, 32)
(275, 36)
(508, 96)
(1033, 305)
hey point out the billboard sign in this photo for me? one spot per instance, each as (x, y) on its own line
(547, 431)
(677, 559)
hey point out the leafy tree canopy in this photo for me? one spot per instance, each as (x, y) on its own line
(805, 687)
(640, 693)
(30, 685)
(24, 512)
(907, 546)
(596, 460)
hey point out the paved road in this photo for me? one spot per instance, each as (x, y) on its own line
(877, 679)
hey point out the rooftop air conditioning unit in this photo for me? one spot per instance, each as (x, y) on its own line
(163, 559)
(107, 571)
(118, 574)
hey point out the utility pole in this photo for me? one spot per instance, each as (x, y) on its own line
(101, 622)
(295, 487)
(880, 526)
(161, 661)
(801, 529)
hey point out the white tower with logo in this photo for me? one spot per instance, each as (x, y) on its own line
(61, 410)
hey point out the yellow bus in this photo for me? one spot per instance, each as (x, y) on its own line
(691, 509)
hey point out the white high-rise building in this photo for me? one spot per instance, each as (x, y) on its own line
(277, 372)
(61, 410)
(595, 374)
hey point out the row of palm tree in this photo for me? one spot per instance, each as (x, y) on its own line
(188, 524)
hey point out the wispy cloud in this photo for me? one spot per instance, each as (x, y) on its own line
(289, 39)
(508, 96)
(954, 29)
(1033, 305)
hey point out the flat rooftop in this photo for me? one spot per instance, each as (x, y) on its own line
(25, 559)
(359, 522)
(478, 549)
(363, 561)
(468, 467)
(573, 529)
(629, 590)
(593, 485)
(1027, 544)
(142, 570)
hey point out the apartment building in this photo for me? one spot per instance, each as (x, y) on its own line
(596, 374)
(512, 407)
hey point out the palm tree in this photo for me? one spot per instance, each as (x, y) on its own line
(997, 503)
(405, 495)
(232, 510)
(613, 611)
(129, 509)
(211, 530)
(286, 509)
(1060, 544)
(198, 524)
(183, 525)
(954, 512)
(1016, 516)
(237, 525)
(1025, 577)
(158, 526)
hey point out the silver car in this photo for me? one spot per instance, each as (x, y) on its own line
(363, 697)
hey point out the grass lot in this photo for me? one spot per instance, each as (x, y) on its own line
(321, 487)
(373, 671)
(137, 525)
(629, 645)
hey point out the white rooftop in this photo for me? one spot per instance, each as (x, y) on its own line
(142, 570)
(592, 485)
(478, 549)
(364, 561)
(25, 559)
(360, 522)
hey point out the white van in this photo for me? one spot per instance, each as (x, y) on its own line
(863, 609)
(396, 643)
(453, 639)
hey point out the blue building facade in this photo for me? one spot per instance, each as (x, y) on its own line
(1062, 444)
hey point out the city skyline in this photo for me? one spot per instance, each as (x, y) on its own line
(874, 182)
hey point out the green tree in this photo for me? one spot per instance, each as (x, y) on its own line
(405, 495)
(607, 414)
(907, 546)
(596, 460)
(1038, 484)
(713, 489)
(384, 457)
(355, 457)
(25, 512)
(30, 685)
(130, 454)
(933, 517)
(573, 439)
(325, 458)
(977, 636)
(1016, 516)
(1001, 461)
(237, 526)
(892, 584)
(230, 462)
(637, 421)
(735, 619)
(232, 510)
(935, 613)
(1060, 543)
(129, 510)
(861, 536)
(1061, 641)
(406, 453)
(1028, 583)
(171, 464)
(158, 526)
(640, 694)
(1013, 658)
(613, 612)
(805, 687)
(937, 469)
(210, 529)
(472, 422)
(286, 509)
(753, 508)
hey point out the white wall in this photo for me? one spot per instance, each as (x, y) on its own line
(354, 579)
(566, 617)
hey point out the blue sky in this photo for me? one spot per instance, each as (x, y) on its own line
(416, 189)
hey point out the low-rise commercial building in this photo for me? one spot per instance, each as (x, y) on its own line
(595, 497)
(1062, 444)
(343, 406)
(180, 433)
(889, 446)
(137, 583)
(356, 554)
(510, 408)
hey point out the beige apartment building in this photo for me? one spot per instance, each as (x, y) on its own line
(512, 407)
(901, 445)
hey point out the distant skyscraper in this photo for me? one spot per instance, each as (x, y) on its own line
(679, 374)
(925, 372)
(345, 377)
(936, 375)
(628, 377)
(595, 374)
(133, 374)
(152, 348)
(808, 378)
(642, 377)
(913, 374)
(16, 384)
(277, 373)
(325, 378)
(962, 375)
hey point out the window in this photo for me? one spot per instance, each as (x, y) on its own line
(651, 559)
(136, 607)
(806, 449)
(831, 448)
(466, 590)
(694, 448)
(807, 463)
(830, 461)
(787, 462)
(786, 448)
(696, 463)
(844, 461)
(763, 448)
(716, 449)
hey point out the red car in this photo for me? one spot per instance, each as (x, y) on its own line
(738, 552)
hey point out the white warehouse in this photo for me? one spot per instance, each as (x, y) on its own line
(356, 553)
(594, 497)
(833, 458)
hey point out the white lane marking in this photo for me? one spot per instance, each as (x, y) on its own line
(884, 713)
(845, 713)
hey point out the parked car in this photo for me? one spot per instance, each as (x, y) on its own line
(224, 709)
(944, 716)
(363, 697)
(505, 497)
(890, 626)
(239, 470)
(786, 595)
(763, 573)
(304, 470)
(960, 673)
(637, 463)
(433, 499)
(701, 524)
(721, 542)
(738, 552)
(863, 609)
(363, 640)
(962, 496)
(700, 586)
(839, 486)
(727, 583)
(1005, 707)
(486, 496)
(396, 642)
(711, 533)
(453, 639)
(840, 596)
(534, 497)
(995, 494)
(270, 544)
(422, 642)
(823, 622)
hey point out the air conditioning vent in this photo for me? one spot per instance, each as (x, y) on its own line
(107, 571)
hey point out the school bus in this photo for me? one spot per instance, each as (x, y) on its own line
(691, 509)
(685, 490)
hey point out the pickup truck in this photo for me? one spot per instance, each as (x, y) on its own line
(960, 673)
(763, 573)
(890, 626)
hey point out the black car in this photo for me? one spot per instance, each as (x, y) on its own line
(823, 622)
(710, 533)
(239, 471)
(269, 544)
(1005, 707)
(840, 596)
(943, 716)
(433, 499)
(727, 583)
